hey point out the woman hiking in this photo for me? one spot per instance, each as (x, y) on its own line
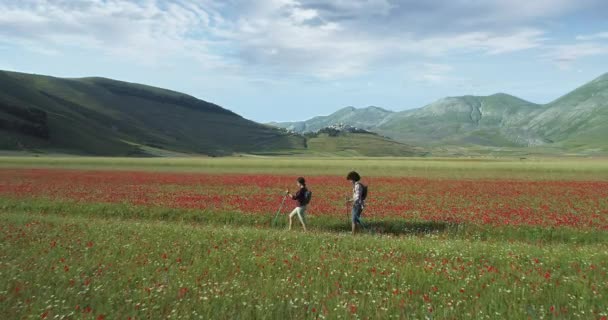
(302, 197)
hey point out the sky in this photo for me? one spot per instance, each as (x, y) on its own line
(286, 60)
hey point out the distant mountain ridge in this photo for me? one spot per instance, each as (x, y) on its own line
(99, 116)
(366, 118)
(576, 121)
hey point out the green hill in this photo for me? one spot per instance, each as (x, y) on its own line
(366, 118)
(359, 144)
(576, 122)
(106, 117)
(494, 120)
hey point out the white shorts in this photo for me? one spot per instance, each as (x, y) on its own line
(300, 211)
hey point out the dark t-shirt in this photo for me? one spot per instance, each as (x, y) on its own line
(300, 196)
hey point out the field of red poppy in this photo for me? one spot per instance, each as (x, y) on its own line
(108, 244)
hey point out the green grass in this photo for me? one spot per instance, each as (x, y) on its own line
(67, 259)
(318, 223)
(534, 168)
(63, 266)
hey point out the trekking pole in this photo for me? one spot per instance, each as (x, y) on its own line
(274, 222)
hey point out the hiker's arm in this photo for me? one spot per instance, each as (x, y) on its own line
(292, 196)
(352, 199)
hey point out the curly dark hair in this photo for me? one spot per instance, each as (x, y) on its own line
(354, 176)
(301, 180)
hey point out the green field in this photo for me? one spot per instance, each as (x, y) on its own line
(533, 168)
(78, 259)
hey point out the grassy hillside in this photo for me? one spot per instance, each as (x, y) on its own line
(470, 120)
(359, 144)
(106, 117)
(577, 122)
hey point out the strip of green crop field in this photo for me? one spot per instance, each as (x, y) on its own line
(529, 169)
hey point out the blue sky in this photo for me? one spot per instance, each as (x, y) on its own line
(281, 60)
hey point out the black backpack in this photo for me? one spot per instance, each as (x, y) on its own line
(363, 191)
(307, 197)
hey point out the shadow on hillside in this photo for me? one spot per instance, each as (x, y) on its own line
(394, 227)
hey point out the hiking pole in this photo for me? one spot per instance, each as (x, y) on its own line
(274, 222)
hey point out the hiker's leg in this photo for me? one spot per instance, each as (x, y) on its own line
(293, 213)
(303, 213)
(302, 216)
(354, 218)
(359, 218)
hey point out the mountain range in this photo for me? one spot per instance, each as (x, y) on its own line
(99, 116)
(577, 121)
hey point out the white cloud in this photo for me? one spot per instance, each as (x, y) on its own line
(303, 15)
(566, 55)
(350, 8)
(432, 73)
(325, 39)
(333, 49)
(485, 42)
(595, 36)
(145, 31)
(524, 10)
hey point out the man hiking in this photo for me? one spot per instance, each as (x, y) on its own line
(302, 197)
(358, 199)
